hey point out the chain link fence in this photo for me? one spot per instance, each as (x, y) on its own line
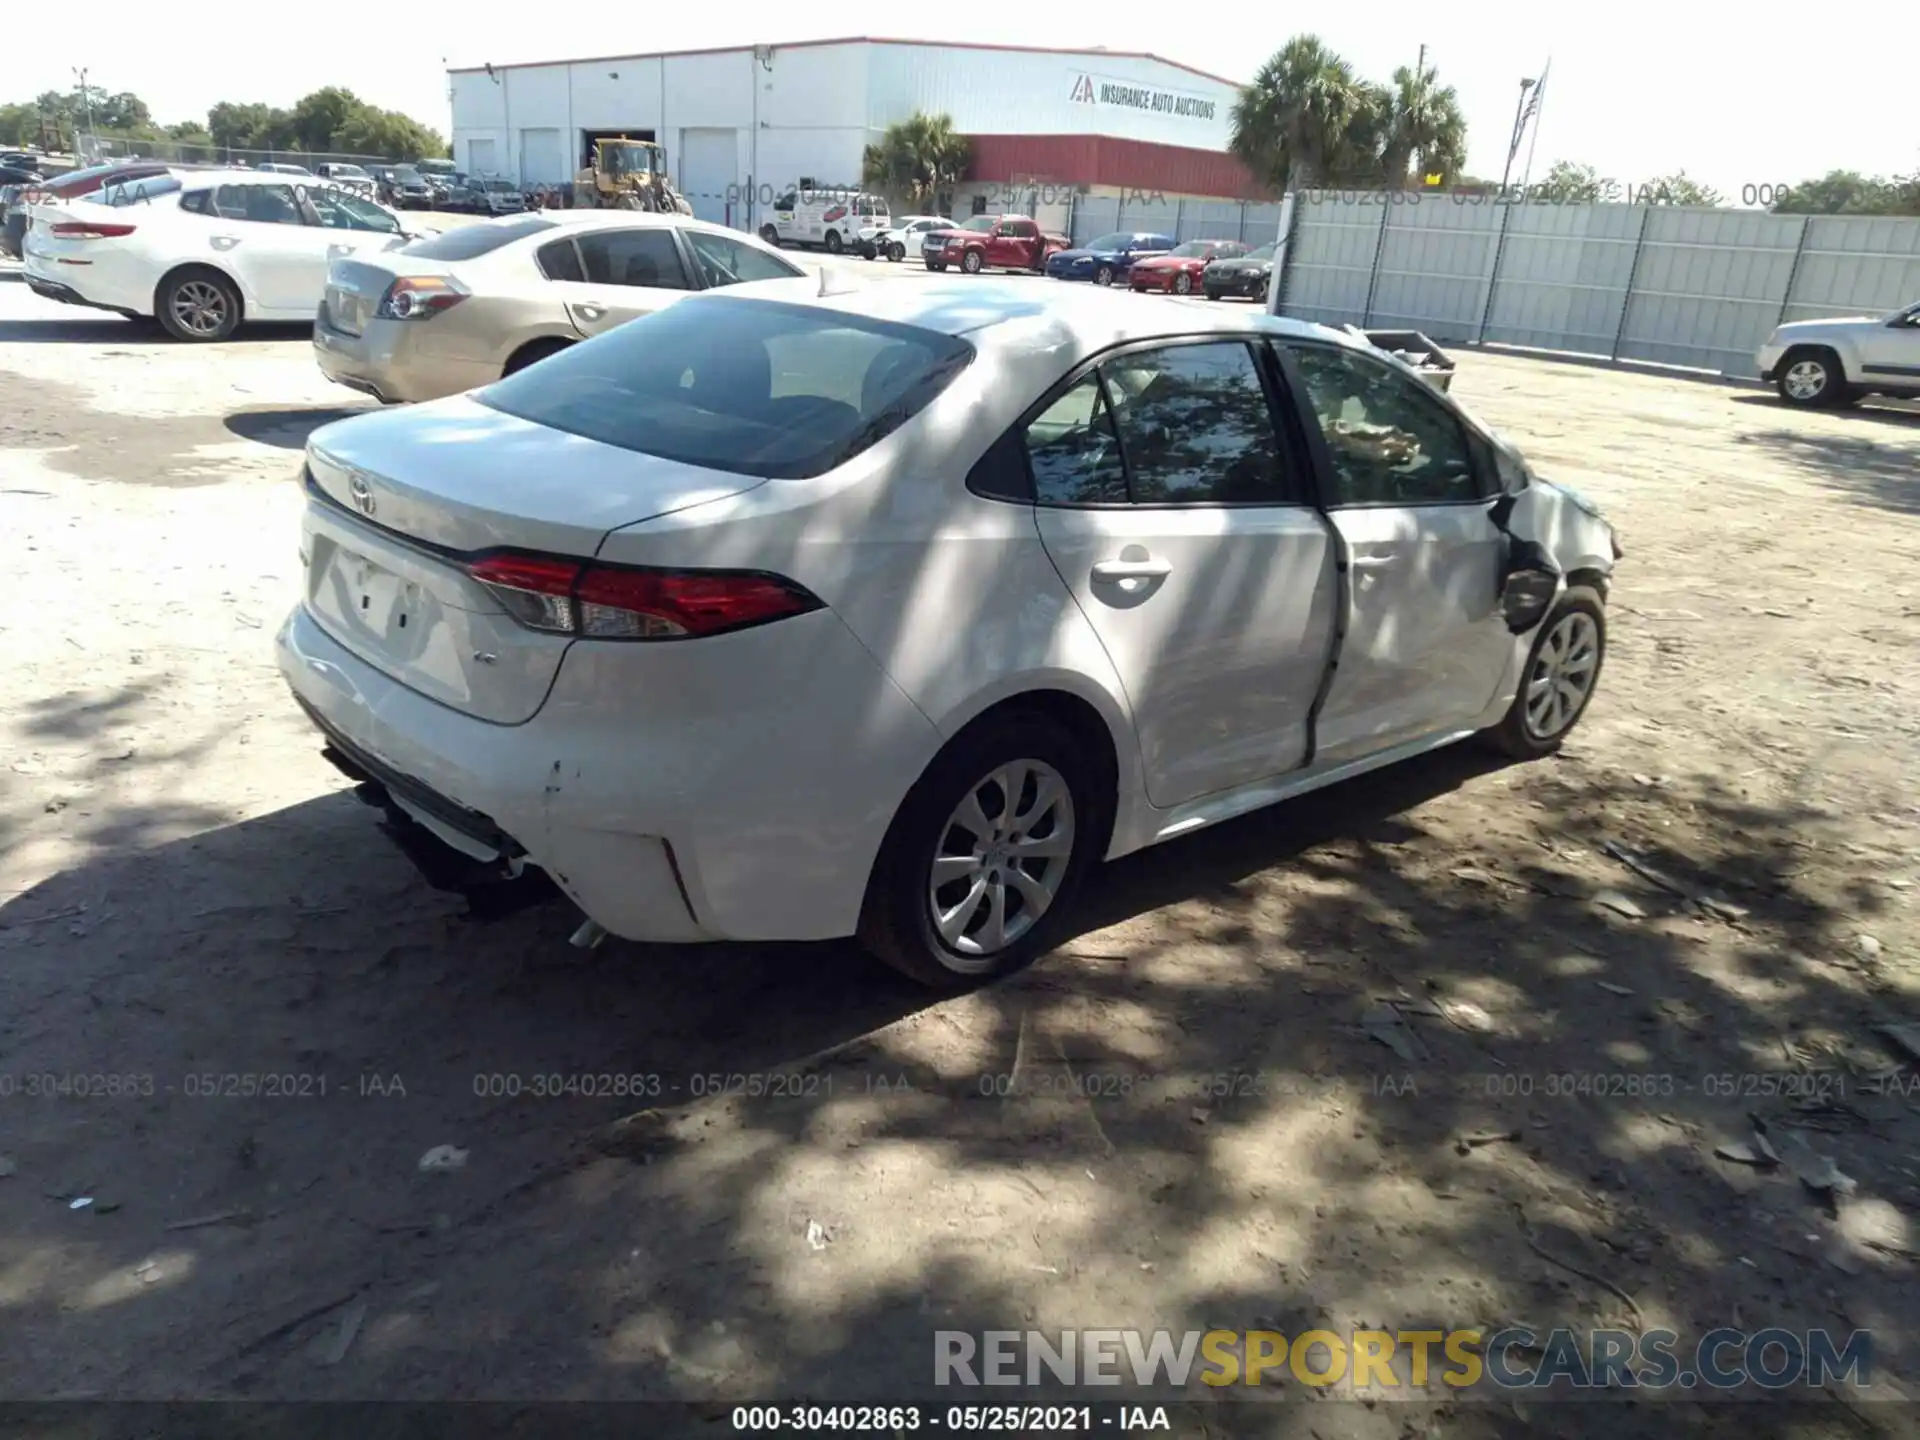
(106, 149)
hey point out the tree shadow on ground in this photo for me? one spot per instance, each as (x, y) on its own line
(1878, 469)
(1189, 1117)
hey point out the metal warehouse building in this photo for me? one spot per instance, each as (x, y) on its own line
(743, 125)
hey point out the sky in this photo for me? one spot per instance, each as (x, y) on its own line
(1637, 90)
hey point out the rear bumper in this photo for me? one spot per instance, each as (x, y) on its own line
(388, 361)
(673, 798)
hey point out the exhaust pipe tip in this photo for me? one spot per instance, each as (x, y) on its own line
(588, 936)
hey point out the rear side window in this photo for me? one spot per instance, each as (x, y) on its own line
(197, 202)
(558, 260)
(755, 387)
(470, 242)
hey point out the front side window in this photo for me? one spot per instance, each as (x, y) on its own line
(724, 261)
(1195, 425)
(1392, 441)
(754, 387)
(260, 204)
(339, 210)
(646, 258)
(1110, 242)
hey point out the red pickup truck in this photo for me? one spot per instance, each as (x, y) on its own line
(1011, 242)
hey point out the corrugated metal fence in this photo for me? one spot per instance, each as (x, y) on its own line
(1670, 285)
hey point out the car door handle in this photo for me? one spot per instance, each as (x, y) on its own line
(591, 312)
(1132, 569)
(1377, 561)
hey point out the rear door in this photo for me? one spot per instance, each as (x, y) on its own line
(625, 273)
(1179, 516)
(1426, 645)
(260, 233)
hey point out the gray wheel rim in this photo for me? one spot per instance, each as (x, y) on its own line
(970, 264)
(1806, 379)
(199, 307)
(1104, 277)
(1184, 284)
(1561, 678)
(1000, 861)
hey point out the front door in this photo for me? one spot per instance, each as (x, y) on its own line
(1426, 643)
(1181, 523)
(1890, 353)
(263, 236)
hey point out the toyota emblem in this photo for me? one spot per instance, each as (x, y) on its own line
(362, 494)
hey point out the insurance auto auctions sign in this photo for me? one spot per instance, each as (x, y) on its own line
(1097, 90)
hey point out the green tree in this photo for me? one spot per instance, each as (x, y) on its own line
(319, 118)
(369, 131)
(1848, 192)
(1424, 124)
(1678, 189)
(919, 159)
(1571, 184)
(1292, 126)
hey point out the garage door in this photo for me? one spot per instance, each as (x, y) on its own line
(481, 158)
(542, 160)
(707, 169)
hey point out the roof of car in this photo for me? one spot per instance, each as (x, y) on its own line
(1035, 313)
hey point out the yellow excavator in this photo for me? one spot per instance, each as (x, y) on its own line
(628, 175)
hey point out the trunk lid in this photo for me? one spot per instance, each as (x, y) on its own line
(406, 496)
(355, 286)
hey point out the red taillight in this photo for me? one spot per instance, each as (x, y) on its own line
(611, 602)
(89, 230)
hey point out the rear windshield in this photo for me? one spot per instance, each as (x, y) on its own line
(469, 242)
(756, 387)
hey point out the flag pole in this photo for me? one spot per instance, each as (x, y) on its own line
(1539, 104)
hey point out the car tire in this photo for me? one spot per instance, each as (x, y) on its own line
(1183, 284)
(1211, 294)
(532, 352)
(1812, 379)
(834, 243)
(197, 304)
(896, 252)
(1103, 276)
(770, 235)
(1577, 628)
(972, 262)
(898, 922)
(932, 266)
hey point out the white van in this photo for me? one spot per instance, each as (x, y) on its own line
(831, 218)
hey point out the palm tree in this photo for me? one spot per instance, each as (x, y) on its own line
(919, 159)
(1293, 124)
(1424, 123)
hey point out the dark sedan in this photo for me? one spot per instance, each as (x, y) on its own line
(1109, 258)
(1246, 278)
(404, 188)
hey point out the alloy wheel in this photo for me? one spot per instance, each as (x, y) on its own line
(1805, 379)
(1000, 861)
(199, 307)
(1562, 675)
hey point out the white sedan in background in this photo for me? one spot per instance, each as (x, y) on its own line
(781, 615)
(206, 251)
(900, 238)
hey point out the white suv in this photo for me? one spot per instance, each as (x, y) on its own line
(1835, 362)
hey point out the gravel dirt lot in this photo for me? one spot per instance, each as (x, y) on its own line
(1181, 1120)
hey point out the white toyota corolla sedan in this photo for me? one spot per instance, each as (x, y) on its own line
(785, 615)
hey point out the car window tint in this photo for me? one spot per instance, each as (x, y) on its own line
(558, 260)
(1196, 425)
(1073, 450)
(646, 258)
(1391, 439)
(750, 386)
(197, 202)
(269, 205)
(722, 261)
(469, 242)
